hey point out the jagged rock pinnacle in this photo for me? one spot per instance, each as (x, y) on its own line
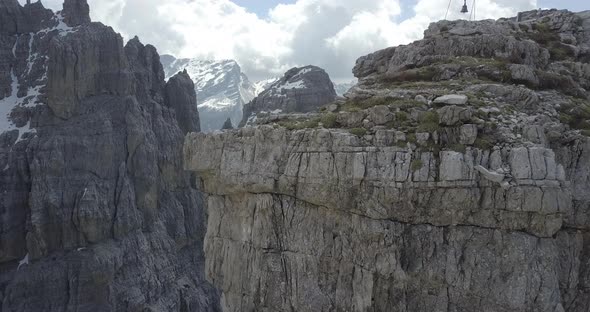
(76, 12)
(227, 125)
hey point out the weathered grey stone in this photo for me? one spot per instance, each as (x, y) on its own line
(97, 213)
(453, 166)
(421, 98)
(524, 74)
(326, 180)
(321, 220)
(535, 134)
(422, 138)
(520, 163)
(380, 115)
(453, 115)
(468, 134)
(333, 108)
(451, 99)
(492, 176)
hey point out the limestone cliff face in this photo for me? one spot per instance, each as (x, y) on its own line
(97, 213)
(453, 177)
(320, 220)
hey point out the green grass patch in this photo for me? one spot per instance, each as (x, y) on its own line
(459, 148)
(560, 52)
(427, 73)
(429, 122)
(543, 34)
(401, 116)
(358, 105)
(484, 142)
(401, 144)
(576, 114)
(358, 131)
(329, 120)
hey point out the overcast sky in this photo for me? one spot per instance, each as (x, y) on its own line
(267, 37)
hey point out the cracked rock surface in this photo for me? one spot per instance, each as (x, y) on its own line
(392, 200)
(96, 211)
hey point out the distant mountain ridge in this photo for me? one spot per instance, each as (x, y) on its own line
(222, 88)
(342, 88)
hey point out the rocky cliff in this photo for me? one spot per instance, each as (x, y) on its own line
(302, 90)
(454, 177)
(97, 213)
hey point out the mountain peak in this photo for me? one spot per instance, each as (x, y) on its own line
(76, 12)
(301, 89)
(222, 88)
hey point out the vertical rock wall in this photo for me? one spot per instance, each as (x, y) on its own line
(453, 177)
(96, 211)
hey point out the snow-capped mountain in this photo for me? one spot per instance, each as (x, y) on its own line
(342, 88)
(300, 89)
(262, 85)
(222, 89)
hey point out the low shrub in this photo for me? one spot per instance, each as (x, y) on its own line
(329, 120)
(429, 122)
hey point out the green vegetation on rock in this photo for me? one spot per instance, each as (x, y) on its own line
(417, 164)
(576, 114)
(429, 122)
(329, 120)
(358, 131)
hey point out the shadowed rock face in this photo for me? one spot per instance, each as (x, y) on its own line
(302, 90)
(76, 12)
(227, 125)
(97, 213)
(453, 177)
(180, 93)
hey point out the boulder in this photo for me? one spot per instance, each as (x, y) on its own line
(468, 134)
(524, 74)
(453, 115)
(451, 99)
(489, 175)
(380, 115)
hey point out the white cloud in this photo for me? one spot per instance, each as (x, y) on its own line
(328, 33)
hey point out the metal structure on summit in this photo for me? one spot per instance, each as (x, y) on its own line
(464, 9)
